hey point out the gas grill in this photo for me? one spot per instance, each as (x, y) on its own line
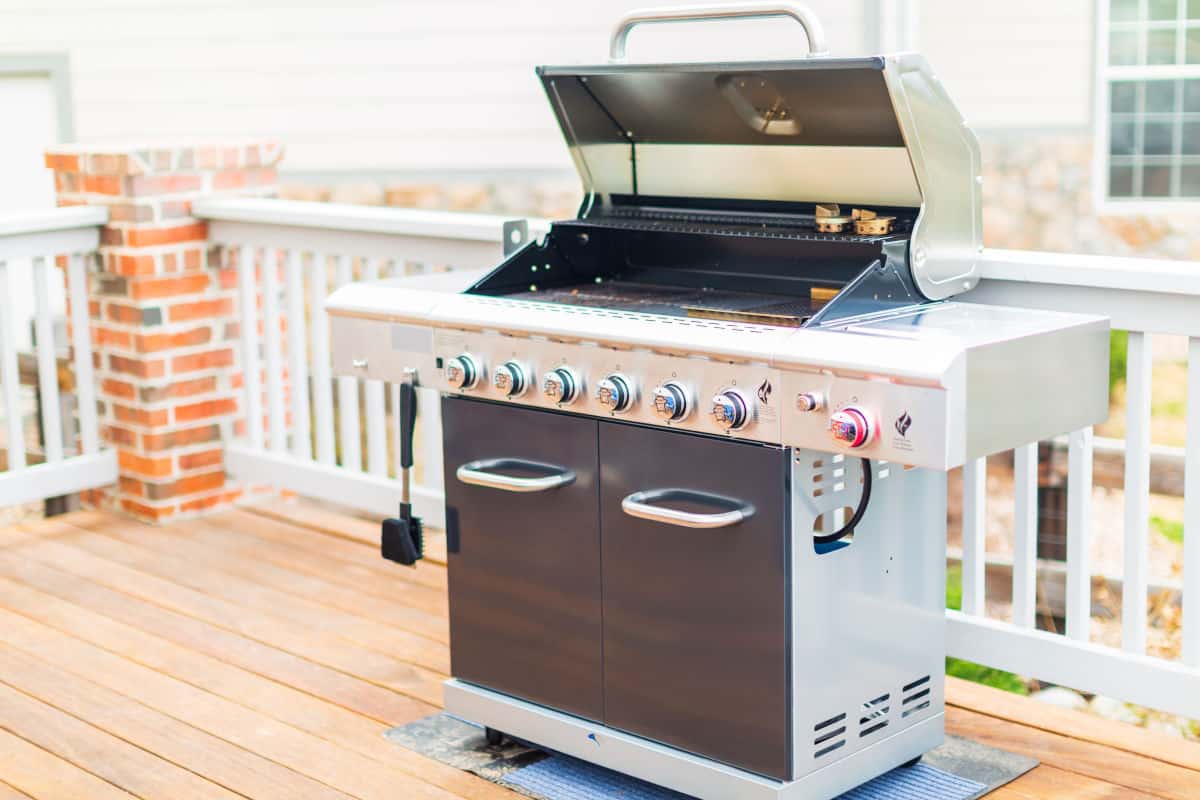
(695, 439)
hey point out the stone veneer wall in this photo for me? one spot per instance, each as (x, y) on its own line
(1036, 192)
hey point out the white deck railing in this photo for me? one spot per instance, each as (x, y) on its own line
(1142, 296)
(39, 238)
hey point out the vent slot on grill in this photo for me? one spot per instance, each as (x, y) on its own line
(830, 734)
(874, 715)
(916, 697)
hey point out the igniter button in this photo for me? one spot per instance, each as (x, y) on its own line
(809, 401)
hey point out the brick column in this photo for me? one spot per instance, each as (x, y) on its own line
(163, 310)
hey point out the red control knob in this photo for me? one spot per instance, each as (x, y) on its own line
(850, 427)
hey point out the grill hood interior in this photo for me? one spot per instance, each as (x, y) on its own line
(808, 130)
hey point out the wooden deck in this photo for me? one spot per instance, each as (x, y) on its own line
(262, 653)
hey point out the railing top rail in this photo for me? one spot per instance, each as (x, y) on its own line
(357, 218)
(52, 219)
(1105, 272)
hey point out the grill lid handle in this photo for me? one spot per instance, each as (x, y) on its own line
(807, 19)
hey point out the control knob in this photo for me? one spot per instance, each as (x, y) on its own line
(851, 427)
(671, 402)
(614, 392)
(461, 372)
(509, 379)
(731, 410)
(560, 385)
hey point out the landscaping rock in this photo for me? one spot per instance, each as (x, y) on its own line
(1063, 698)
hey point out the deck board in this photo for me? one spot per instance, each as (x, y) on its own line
(263, 652)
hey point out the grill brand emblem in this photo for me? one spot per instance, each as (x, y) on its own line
(764, 391)
(903, 423)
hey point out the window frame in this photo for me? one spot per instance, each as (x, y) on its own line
(1104, 75)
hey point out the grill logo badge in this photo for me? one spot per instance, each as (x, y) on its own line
(764, 391)
(903, 423)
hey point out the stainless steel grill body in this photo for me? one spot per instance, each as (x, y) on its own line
(695, 448)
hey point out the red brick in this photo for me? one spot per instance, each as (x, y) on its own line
(205, 458)
(138, 367)
(192, 258)
(62, 161)
(140, 416)
(142, 465)
(142, 185)
(142, 289)
(131, 212)
(131, 486)
(149, 237)
(206, 360)
(119, 436)
(107, 337)
(155, 513)
(115, 388)
(157, 442)
(209, 408)
(102, 184)
(154, 342)
(130, 264)
(156, 394)
(205, 482)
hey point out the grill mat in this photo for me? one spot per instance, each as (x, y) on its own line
(958, 770)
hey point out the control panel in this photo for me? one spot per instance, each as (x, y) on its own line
(876, 418)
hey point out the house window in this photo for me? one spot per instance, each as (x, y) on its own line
(1149, 101)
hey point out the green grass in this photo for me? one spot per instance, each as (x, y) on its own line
(1168, 528)
(1118, 356)
(977, 673)
(967, 670)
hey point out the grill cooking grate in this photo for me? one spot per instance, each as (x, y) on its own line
(763, 309)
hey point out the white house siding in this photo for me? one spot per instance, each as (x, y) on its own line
(394, 86)
(1017, 64)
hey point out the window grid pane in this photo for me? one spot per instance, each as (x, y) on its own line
(1154, 123)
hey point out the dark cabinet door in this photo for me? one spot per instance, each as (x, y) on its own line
(524, 553)
(696, 594)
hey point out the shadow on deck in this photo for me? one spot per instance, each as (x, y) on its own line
(263, 652)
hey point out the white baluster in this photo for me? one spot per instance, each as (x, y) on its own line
(11, 378)
(1137, 492)
(1191, 513)
(322, 389)
(348, 428)
(1079, 538)
(375, 403)
(1024, 600)
(428, 434)
(298, 356)
(249, 328)
(81, 342)
(974, 536)
(273, 349)
(47, 362)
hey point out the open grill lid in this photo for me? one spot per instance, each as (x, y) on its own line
(876, 131)
(808, 131)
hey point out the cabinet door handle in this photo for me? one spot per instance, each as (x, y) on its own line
(639, 505)
(480, 473)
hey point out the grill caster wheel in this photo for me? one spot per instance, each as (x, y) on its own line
(493, 737)
(912, 762)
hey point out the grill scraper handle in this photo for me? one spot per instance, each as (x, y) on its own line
(402, 538)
